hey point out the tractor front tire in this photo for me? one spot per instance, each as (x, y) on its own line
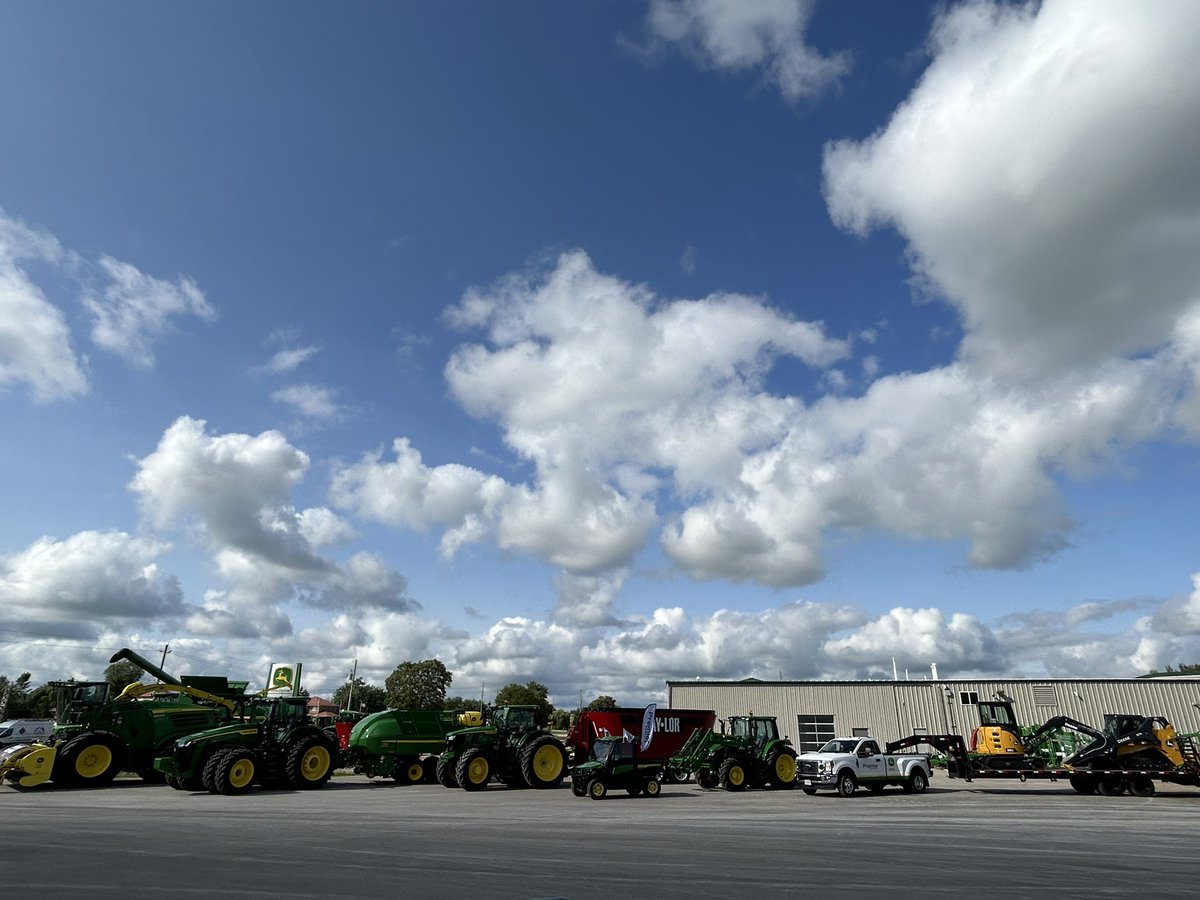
(474, 770)
(543, 763)
(733, 775)
(309, 763)
(444, 771)
(235, 773)
(781, 768)
(91, 759)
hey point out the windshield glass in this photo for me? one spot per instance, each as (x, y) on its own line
(836, 746)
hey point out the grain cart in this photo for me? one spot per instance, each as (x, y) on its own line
(402, 743)
(99, 735)
(510, 745)
(750, 754)
(615, 763)
(277, 746)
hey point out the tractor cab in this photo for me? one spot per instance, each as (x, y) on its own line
(755, 730)
(516, 718)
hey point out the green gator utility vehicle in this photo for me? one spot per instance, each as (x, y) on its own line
(511, 746)
(614, 764)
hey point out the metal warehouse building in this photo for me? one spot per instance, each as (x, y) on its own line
(812, 712)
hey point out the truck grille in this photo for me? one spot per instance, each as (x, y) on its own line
(808, 767)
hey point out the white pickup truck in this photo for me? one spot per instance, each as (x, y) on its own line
(846, 763)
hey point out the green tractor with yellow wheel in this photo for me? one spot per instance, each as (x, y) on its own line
(276, 747)
(750, 754)
(510, 747)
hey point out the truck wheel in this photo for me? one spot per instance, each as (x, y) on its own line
(1084, 784)
(474, 770)
(235, 773)
(653, 788)
(781, 768)
(917, 783)
(444, 771)
(812, 792)
(543, 763)
(1112, 786)
(733, 775)
(597, 789)
(92, 759)
(1141, 786)
(847, 784)
(309, 763)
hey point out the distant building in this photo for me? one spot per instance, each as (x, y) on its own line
(811, 712)
(320, 708)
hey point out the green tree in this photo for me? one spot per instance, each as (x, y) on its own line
(366, 698)
(462, 704)
(13, 696)
(123, 673)
(602, 702)
(531, 694)
(418, 685)
(560, 719)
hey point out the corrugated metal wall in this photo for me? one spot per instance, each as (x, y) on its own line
(888, 710)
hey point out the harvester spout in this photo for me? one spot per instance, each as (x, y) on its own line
(145, 664)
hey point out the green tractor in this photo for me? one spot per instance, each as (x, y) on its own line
(614, 763)
(750, 754)
(100, 733)
(277, 746)
(510, 746)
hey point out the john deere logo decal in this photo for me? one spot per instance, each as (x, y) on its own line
(283, 677)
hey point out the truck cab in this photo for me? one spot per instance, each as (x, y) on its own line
(845, 763)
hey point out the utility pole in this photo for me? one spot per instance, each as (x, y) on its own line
(166, 650)
(353, 672)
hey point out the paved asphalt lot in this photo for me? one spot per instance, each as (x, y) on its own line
(374, 839)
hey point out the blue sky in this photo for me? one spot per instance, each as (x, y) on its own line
(600, 343)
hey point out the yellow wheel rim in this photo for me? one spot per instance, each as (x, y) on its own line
(548, 762)
(599, 790)
(652, 788)
(736, 775)
(785, 768)
(94, 761)
(315, 763)
(241, 773)
(478, 771)
(415, 772)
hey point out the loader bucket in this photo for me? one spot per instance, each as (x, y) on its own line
(27, 764)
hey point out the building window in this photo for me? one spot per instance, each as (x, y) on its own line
(920, 729)
(860, 732)
(968, 698)
(814, 732)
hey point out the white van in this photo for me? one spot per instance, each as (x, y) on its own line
(26, 731)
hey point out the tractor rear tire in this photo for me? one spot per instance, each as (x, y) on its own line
(91, 759)
(310, 763)
(474, 770)
(544, 762)
(235, 773)
(444, 771)
(847, 784)
(733, 775)
(781, 768)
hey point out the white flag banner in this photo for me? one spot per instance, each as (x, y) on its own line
(648, 720)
